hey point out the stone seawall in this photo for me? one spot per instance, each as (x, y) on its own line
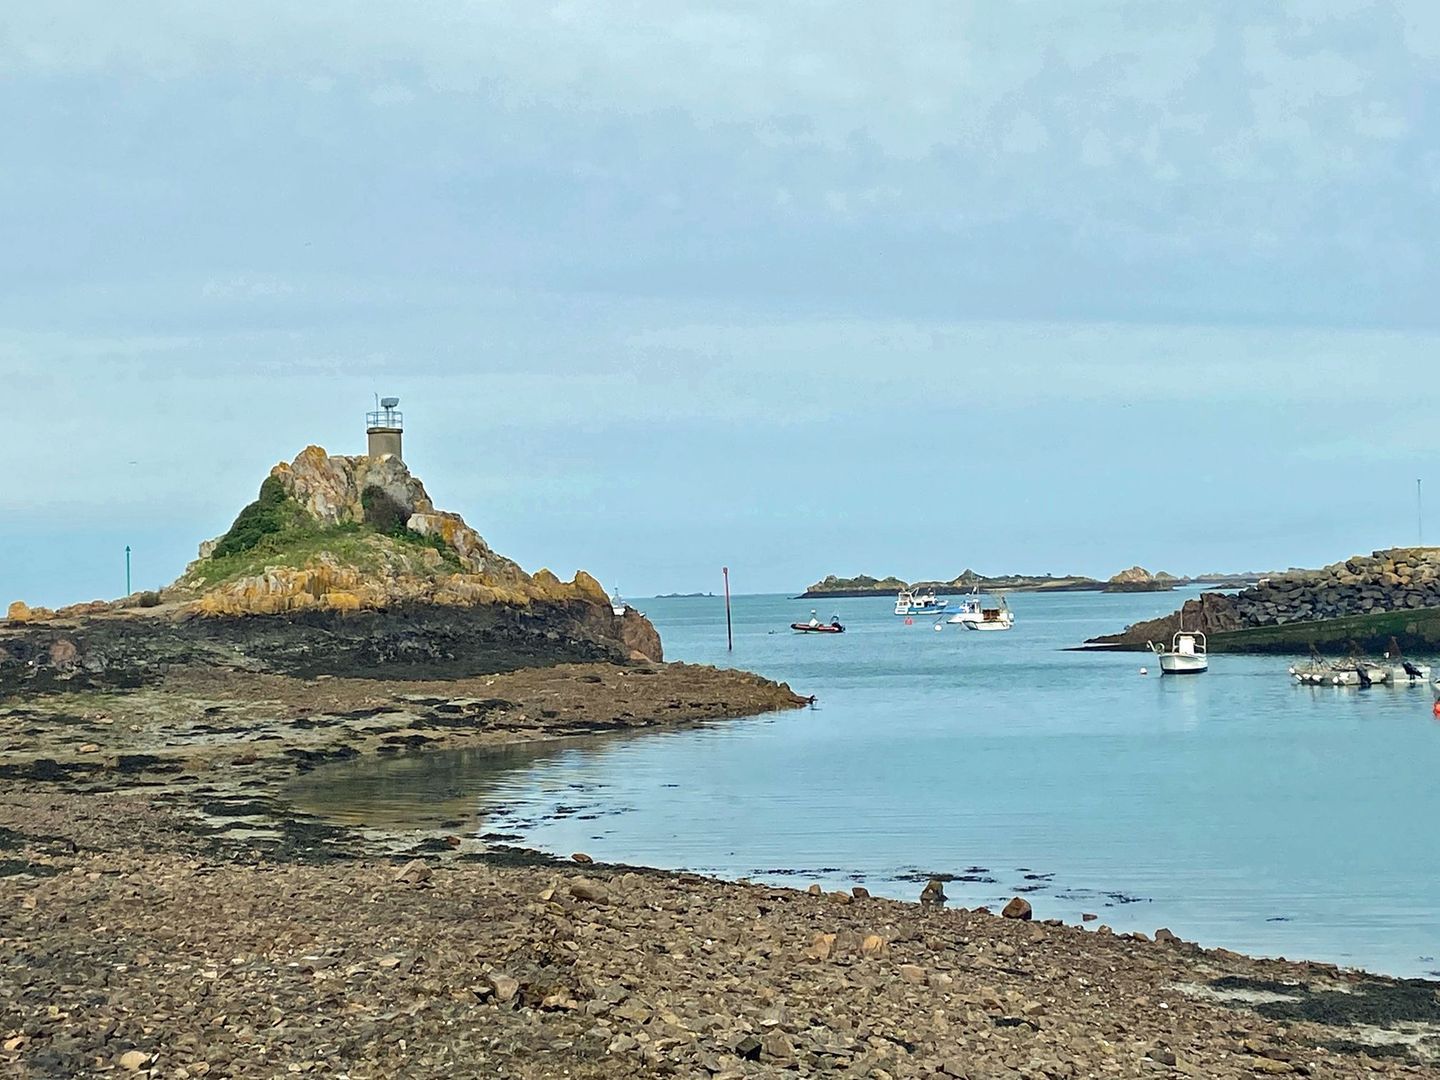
(1395, 580)
(1398, 579)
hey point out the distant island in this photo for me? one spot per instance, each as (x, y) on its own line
(1135, 579)
(684, 595)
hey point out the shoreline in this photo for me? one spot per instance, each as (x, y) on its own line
(188, 875)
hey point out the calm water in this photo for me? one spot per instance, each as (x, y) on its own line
(1234, 807)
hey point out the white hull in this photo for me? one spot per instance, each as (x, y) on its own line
(1182, 664)
(923, 609)
(1187, 654)
(919, 603)
(1004, 623)
(1347, 677)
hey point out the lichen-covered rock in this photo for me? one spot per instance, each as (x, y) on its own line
(21, 612)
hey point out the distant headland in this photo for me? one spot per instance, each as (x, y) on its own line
(1135, 579)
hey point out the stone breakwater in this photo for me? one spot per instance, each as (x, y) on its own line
(1397, 580)
(1393, 580)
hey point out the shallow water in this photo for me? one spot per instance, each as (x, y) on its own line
(1234, 807)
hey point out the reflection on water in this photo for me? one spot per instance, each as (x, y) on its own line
(1234, 807)
(421, 791)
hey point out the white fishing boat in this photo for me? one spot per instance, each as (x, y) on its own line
(617, 605)
(999, 617)
(969, 610)
(919, 602)
(1186, 656)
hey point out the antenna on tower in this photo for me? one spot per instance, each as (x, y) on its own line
(384, 427)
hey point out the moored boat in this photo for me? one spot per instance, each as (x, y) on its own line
(617, 605)
(1187, 654)
(919, 602)
(979, 617)
(970, 609)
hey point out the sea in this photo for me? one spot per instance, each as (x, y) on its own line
(1237, 808)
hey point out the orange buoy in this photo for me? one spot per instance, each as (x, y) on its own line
(1436, 708)
(909, 621)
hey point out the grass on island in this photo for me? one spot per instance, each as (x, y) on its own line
(1417, 631)
(275, 530)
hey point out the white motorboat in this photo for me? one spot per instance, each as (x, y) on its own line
(617, 605)
(981, 617)
(919, 602)
(1186, 656)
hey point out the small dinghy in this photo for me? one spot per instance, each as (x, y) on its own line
(815, 626)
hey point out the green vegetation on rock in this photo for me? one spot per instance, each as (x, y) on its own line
(360, 546)
(275, 530)
(270, 515)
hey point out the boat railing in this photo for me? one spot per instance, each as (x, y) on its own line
(1189, 642)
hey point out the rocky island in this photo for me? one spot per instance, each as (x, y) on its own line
(1136, 579)
(165, 911)
(1358, 605)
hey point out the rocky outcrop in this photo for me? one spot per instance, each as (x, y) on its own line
(860, 585)
(1138, 579)
(1210, 613)
(332, 538)
(342, 534)
(382, 493)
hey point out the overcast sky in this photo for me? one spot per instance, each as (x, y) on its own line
(800, 288)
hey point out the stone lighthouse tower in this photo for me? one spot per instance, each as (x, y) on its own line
(384, 428)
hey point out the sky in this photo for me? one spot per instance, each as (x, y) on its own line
(822, 287)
